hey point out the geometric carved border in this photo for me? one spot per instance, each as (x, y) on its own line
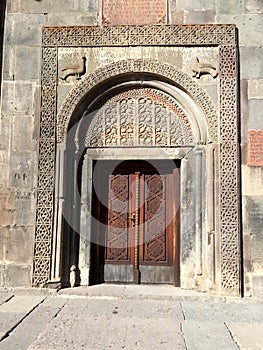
(229, 170)
(223, 36)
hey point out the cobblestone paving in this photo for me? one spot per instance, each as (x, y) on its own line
(119, 317)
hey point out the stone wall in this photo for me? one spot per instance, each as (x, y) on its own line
(20, 110)
(21, 107)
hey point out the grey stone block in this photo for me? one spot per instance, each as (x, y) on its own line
(17, 98)
(244, 113)
(27, 63)
(222, 312)
(5, 132)
(7, 205)
(247, 336)
(251, 63)
(62, 91)
(24, 29)
(258, 287)
(22, 134)
(44, 6)
(4, 161)
(87, 5)
(255, 108)
(194, 17)
(250, 29)
(255, 89)
(23, 166)
(19, 245)
(256, 251)
(189, 5)
(205, 335)
(72, 19)
(254, 6)
(253, 214)
(18, 275)
(25, 213)
(8, 62)
(230, 6)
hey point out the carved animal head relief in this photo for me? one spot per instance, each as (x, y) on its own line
(201, 68)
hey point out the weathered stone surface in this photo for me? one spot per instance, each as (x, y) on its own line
(251, 65)
(19, 245)
(17, 98)
(193, 17)
(22, 134)
(24, 166)
(4, 176)
(32, 58)
(108, 320)
(25, 207)
(189, 5)
(24, 29)
(207, 336)
(231, 6)
(72, 19)
(33, 325)
(253, 209)
(255, 89)
(244, 112)
(254, 6)
(247, 336)
(5, 132)
(258, 285)
(12, 312)
(246, 24)
(252, 184)
(257, 249)
(18, 275)
(255, 108)
(7, 205)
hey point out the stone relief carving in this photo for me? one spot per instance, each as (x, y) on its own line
(140, 117)
(222, 35)
(76, 69)
(138, 65)
(200, 68)
(132, 35)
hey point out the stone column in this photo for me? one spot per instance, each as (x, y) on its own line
(198, 210)
(85, 220)
(58, 217)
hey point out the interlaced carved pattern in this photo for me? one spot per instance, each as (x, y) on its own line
(131, 35)
(117, 235)
(138, 65)
(229, 172)
(154, 225)
(139, 117)
(44, 215)
(190, 35)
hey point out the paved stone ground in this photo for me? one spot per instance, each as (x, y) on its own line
(127, 317)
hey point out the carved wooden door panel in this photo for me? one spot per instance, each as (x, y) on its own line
(142, 219)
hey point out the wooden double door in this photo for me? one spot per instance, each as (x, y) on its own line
(136, 222)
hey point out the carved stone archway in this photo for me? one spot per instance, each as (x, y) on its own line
(222, 133)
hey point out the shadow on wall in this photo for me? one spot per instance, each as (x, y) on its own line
(2, 21)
